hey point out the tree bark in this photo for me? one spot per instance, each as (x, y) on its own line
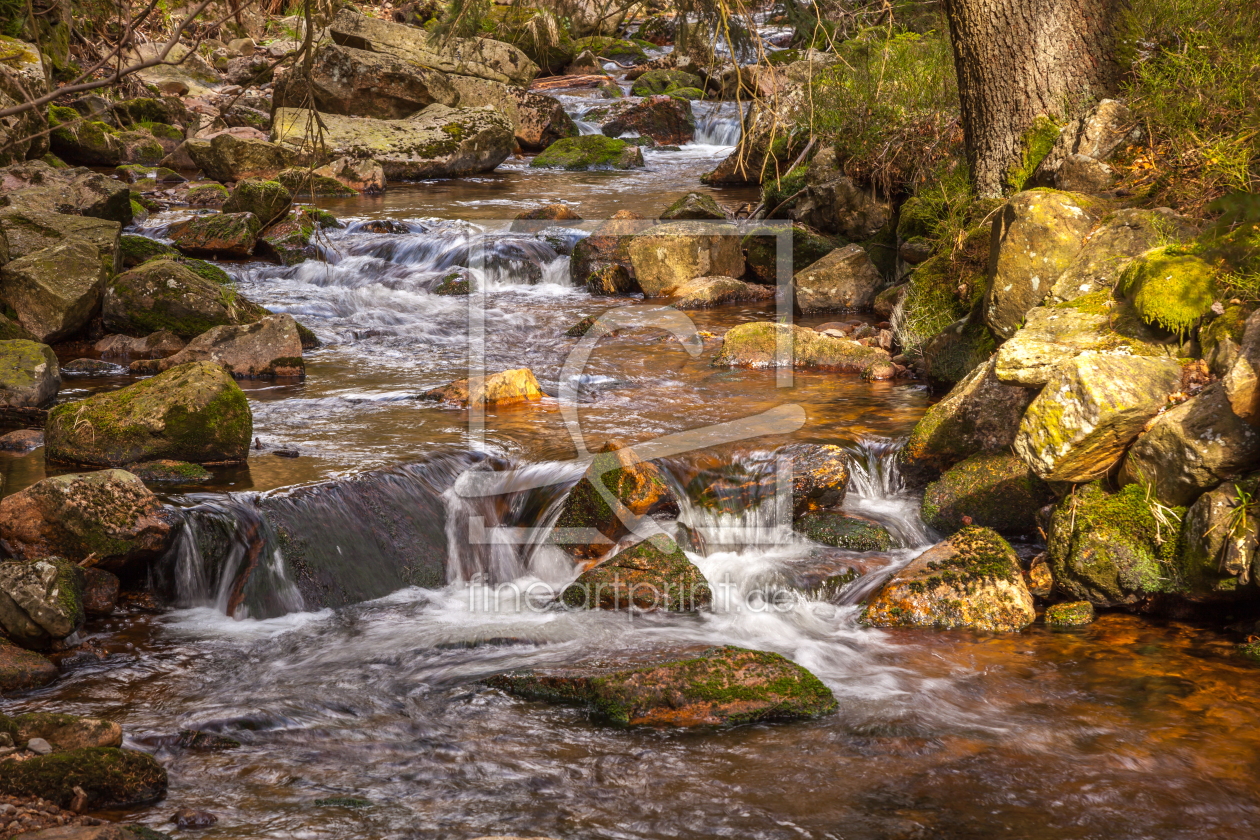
(1017, 59)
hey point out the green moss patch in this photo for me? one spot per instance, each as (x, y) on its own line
(1170, 288)
(843, 530)
(1070, 615)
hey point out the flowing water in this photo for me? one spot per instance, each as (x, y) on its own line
(1124, 729)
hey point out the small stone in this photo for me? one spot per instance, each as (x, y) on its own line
(39, 746)
(189, 818)
(23, 440)
(1071, 614)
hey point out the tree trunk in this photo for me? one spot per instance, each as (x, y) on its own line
(1017, 59)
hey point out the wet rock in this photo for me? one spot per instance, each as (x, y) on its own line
(714, 291)
(1192, 447)
(845, 279)
(23, 440)
(29, 374)
(206, 195)
(1039, 577)
(541, 218)
(757, 344)
(40, 601)
(585, 63)
(231, 158)
(589, 152)
(1035, 238)
(691, 206)
(137, 250)
(231, 235)
(996, 491)
(190, 818)
(37, 187)
(357, 83)
(268, 347)
(1072, 614)
(611, 279)
(980, 415)
(499, 389)
(616, 491)
(266, 200)
(100, 592)
(194, 412)
(480, 57)
(109, 515)
(651, 575)
(55, 291)
(720, 686)
(288, 241)
(581, 327)
(970, 580)
(166, 295)
(1110, 548)
(1096, 136)
(843, 530)
(160, 343)
(820, 475)
(91, 367)
(26, 232)
(668, 121)
(669, 255)
(1054, 335)
(23, 669)
(197, 741)
(438, 142)
(67, 732)
(166, 471)
(110, 777)
(1091, 409)
(664, 81)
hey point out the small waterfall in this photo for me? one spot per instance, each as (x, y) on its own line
(876, 489)
(717, 123)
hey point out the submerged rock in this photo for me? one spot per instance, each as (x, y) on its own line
(268, 347)
(107, 515)
(970, 580)
(110, 777)
(500, 389)
(29, 374)
(757, 344)
(995, 490)
(720, 686)
(604, 506)
(651, 575)
(195, 412)
(40, 601)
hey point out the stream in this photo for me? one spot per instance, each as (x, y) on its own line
(1125, 728)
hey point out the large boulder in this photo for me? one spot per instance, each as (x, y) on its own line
(36, 186)
(22, 135)
(480, 57)
(227, 157)
(838, 205)
(268, 347)
(995, 490)
(231, 235)
(720, 686)
(694, 206)
(29, 374)
(1095, 136)
(269, 201)
(980, 415)
(358, 83)
(668, 121)
(1111, 549)
(41, 601)
(438, 142)
(761, 249)
(663, 81)
(1035, 238)
(107, 515)
(714, 291)
(668, 255)
(758, 344)
(1192, 447)
(538, 120)
(195, 412)
(845, 279)
(167, 295)
(108, 777)
(1220, 538)
(608, 245)
(1119, 238)
(1091, 409)
(23, 232)
(56, 291)
(651, 575)
(589, 152)
(970, 580)
(614, 493)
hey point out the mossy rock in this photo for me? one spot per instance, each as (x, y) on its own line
(721, 686)
(590, 151)
(1036, 142)
(164, 294)
(611, 279)
(22, 669)
(206, 270)
(944, 289)
(231, 235)
(1170, 289)
(656, 82)
(995, 490)
(289, 241)
(844, 530)
(957, 350)
(1072, 614)
(325, 220)
(140, 249)
(614, 49)
(206, 195)
(756, 344)
(303, 183)
(1110, 548)
(652, 575)
(970, 580)
(1227, 325)
(268, 200)
(111, 777)
(453, 284)
(67, 732)
(581, 327)
(171, 472)
(194, 412)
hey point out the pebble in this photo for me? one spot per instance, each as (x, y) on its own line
(190, 818)
(39, 746)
